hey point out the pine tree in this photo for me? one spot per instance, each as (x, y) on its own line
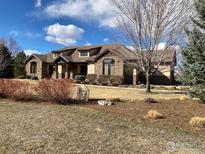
(19, 70)
(6, 62)
(194, 55)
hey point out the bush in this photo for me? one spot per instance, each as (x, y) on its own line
(16, 90)
(33, 77)
(21, 77)
(197, 122)
(104, 79)
(91, 78)
(8, 87)
(80, 78)
(184, 98)
(55, 91)
(153, 114)
(116, 80)
(23, 93)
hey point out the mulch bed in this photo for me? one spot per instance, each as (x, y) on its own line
(177, 113)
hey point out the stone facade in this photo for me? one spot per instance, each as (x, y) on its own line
(68, 62)
(118, 64)
(39, 72)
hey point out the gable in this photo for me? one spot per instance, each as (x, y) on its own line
(109, 54)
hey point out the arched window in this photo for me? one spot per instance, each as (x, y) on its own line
(108, 66)
(33, 68)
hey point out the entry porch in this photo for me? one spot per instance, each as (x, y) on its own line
(68, 70)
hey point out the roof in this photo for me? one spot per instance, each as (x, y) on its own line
(41, 57)
(71, 54)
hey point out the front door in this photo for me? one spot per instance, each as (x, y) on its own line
(83, 69)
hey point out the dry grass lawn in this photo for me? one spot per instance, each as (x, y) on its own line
(101, 92)
(132, 94)
(40, 128)
(176, 114)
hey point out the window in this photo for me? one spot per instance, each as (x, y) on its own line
(33, 68)
(84, 54)
(55, 55)
(108, 66)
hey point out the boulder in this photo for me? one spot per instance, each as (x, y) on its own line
(105, 102)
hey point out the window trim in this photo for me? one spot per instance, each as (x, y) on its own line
(88, 54)
(33, 69)
(110, 66)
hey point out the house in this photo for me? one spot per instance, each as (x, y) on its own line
(108, 59)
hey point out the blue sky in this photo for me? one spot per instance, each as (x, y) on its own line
(45, 25)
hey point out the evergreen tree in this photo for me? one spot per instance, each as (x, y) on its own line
(6, 62)
(194, 55)
(19, 70)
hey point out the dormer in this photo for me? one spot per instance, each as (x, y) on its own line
(84, 54)
(55, 55)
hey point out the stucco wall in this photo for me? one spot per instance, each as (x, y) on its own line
(91, 68)
(118, 66)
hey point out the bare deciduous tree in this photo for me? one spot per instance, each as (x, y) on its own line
(146, 23)
(7, 50)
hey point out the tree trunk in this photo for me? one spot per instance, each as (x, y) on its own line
(148, 87)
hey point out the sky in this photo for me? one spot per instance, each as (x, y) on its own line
(40, 26)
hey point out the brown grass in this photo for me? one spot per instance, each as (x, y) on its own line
(153, 114)
(49, 129)
(197, 122)
(177, 114)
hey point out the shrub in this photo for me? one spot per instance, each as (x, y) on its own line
(80, 78)
(104, 79)
(8, 87)
(153, 114)
(21, 77)
(55, 91)
(16, 90)
(116, 80)
(24, 92)
(197, 122)
(33, 77)
(91, 78)
(184, 98)
(150, 100)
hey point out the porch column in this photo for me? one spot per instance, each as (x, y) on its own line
(134, 77)
(55, 72)
(60, 71)
(71, 74)
(66, 71)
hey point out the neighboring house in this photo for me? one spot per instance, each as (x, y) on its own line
(109, 59)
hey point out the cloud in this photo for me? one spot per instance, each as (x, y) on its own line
(64, 34)
(30, 52)
(98, 10)
(37, 3)
(130, 47)
(161, 46)
(106, 39)
(88, 43)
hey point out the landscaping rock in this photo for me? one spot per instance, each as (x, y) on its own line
(105, 102)
(83, 93)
